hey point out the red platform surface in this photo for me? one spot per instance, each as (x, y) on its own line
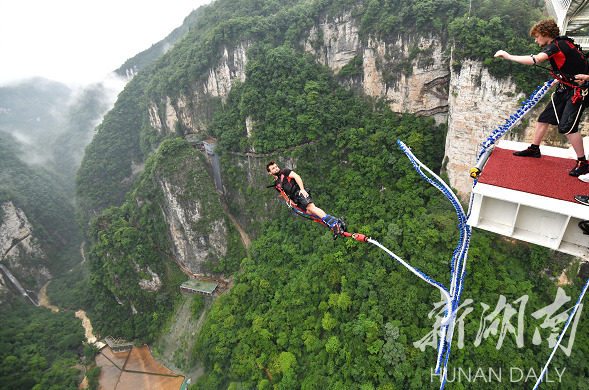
(546, 176)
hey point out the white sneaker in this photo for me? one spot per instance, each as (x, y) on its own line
(584, 178)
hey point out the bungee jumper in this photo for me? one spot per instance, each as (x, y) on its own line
(568, 66)
(291, 187)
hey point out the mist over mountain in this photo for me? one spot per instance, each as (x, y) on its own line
(44, 127)
(51, 122)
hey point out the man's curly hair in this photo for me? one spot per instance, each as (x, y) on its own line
(546, 27)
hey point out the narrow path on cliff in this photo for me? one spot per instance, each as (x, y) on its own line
(269, 154)
(245, 239)
(15, 242)
(83, 253)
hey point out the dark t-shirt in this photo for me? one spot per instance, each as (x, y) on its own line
(290, 187)
(565, 58)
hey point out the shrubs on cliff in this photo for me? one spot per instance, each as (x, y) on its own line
(289, 99)
(103, 177)
(500, 25)
(41, 194)
(308, 312)
(131, 244)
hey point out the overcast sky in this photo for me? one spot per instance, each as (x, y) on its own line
(81, 41)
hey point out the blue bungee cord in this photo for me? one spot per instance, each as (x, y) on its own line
(514, 119)
(460, 256)
(458, 264)
(561, 335)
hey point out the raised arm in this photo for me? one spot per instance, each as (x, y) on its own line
(526, 60)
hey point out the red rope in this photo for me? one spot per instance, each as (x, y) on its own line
(578, 95)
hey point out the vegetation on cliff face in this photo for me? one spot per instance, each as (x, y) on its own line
(44, 127)
(126, 135)
(38, 192)
(131, 240)
(288, 98)
(105, 172)
(495, 25)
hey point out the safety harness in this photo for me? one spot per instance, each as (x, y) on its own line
(334, 224)
(567, 79)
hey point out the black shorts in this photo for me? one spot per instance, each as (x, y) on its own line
(569, 113)
(301, 201)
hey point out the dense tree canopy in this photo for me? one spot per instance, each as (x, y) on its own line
(40, 193)
(310, 312)
(38, 348)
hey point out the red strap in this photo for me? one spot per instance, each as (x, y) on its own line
(577, 95)
(577, 89)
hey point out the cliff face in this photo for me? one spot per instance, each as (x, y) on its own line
(20, 250)
(409, 71)
(195, 238)
(478, 104)
(192, 111)
(191, 208)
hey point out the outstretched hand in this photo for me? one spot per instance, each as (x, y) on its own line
(502, 54)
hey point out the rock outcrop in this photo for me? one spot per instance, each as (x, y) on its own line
(16, 239)
(197, 230)
(20, 250)
(479, 103)
(409, 71)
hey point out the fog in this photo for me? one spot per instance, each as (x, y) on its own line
(80, 42)
(52, 123)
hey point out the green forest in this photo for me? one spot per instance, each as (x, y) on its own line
(304, 311)
(38, 348)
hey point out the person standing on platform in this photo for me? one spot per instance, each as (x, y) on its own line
(568, 101)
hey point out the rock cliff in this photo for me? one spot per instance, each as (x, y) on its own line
(192, 212)
(409, 71)
(20, 250)
(478, 104)
(192, 246)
